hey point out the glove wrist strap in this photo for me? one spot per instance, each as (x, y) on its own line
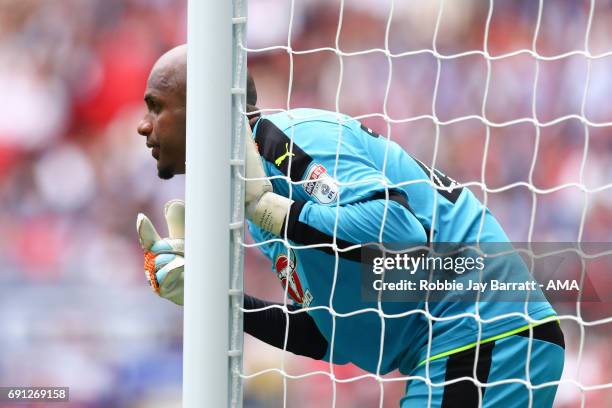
(271, 211)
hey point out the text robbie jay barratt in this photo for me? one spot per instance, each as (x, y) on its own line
(494, 285)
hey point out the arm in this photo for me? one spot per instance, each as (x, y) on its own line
(164, 269)
(310, 223)
(269, 326)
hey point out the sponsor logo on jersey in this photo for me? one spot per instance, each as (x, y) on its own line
(286, 271)
(320, 185)
(287, 153)
(446, 186)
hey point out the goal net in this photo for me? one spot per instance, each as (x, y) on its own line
(510, 98)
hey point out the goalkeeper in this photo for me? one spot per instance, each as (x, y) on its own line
(336, 202)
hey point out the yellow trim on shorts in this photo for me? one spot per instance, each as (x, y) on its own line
(488, 340)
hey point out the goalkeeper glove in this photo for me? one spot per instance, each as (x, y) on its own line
(265, 208)
(164, 261)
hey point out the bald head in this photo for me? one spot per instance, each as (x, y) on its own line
(164, 122)
(170, 71)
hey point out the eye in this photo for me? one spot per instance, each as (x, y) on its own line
(153, 105)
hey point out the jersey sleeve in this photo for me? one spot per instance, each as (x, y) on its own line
(325, 160)
(375, 220)
(325, 166)
(303, 336)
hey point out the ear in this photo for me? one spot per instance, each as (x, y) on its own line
(251, 97)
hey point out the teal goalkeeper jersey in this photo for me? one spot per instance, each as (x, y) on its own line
(352, 187)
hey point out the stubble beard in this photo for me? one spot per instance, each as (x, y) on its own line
(165, 173)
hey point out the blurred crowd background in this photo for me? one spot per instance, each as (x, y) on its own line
(74, 307)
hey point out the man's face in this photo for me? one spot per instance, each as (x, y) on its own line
(164, 123)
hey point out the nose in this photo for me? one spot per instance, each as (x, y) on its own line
(145, 127)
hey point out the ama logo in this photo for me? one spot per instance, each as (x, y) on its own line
(286, 271)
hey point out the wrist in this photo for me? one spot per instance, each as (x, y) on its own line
(270, 212)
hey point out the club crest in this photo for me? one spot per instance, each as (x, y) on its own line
(285, 267)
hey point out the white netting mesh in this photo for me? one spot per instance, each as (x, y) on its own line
(539, 69)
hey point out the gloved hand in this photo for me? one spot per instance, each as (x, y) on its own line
(164, 261)
(265, 208)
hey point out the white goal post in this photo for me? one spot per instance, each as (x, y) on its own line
(216, 74)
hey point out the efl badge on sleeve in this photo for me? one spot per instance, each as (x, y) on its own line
(320, 185)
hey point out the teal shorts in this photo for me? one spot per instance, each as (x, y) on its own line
(499, 360)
